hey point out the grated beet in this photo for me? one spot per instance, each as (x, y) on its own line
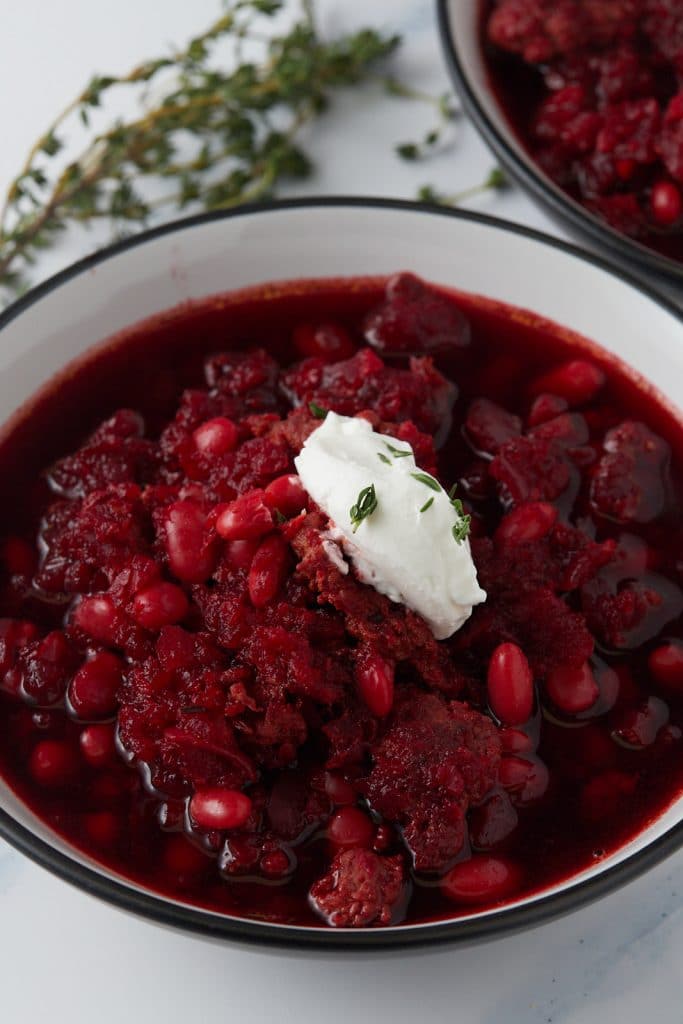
(434, 761)
(360, 889)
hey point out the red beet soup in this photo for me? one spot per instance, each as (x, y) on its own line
(594, 90)
(195, 693)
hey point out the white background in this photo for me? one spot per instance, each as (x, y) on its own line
(67, 958)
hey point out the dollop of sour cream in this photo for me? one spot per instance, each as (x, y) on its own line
(405, 546)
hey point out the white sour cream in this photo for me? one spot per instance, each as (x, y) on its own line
(407, 554)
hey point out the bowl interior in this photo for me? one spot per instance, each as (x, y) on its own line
(460, 32)
(206, 256)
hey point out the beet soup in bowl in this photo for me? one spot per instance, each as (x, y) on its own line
(582, 104)
(232, 708)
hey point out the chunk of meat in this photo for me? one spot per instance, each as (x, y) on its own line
(533, 469)
(415, 318)
(631, 482)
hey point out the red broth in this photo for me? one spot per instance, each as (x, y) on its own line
(138, 728)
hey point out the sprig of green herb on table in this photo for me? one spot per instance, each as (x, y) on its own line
(446, 111)
(495, 182)
(364, 507)
(217, 138)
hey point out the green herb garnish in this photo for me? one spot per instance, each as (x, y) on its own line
(427, 480)
(461, 529)
(383, 457)
(398, 453)
(364, 507)
(317, 411)
(427, 505)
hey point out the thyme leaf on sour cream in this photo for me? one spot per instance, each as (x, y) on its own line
(364, 507)
(427, 480)
(398, 453)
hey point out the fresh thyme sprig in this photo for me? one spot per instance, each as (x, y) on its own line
(364, 507)
(218, 138)
(398, 453)
(446, 111)
(427, 480)
(495, 182)
(461, 529)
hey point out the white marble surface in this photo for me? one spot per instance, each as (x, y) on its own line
(67, 958)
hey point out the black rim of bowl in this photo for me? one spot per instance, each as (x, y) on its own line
(533, 179)
(452, 931)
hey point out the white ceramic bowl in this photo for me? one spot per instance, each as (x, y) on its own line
(323, 238)
(459, 29)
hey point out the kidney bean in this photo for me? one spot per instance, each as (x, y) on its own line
(578, 381)
(92, 691)
(268, 570)
(286, 495)
(572, 689)
(350, 827)
(375, 679)
(98, 744)
(275, 864)
(526, 778)
(327, 341)
(510, 685)
(666, 665)
(481, 879)
(98, 618)
(53, 763)
(514, 741)
(216, 437)
(163, 604)
(546, 407)
(246, 518)
(221, 808)
(191, 555)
